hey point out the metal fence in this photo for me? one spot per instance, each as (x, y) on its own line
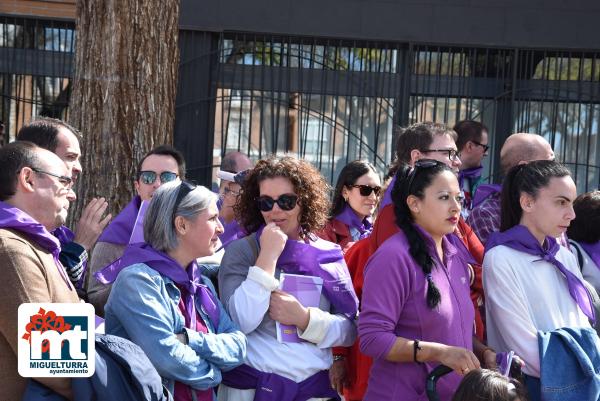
(333, 101)
(329, 101)
(35, 69)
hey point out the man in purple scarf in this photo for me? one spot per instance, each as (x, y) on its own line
(472, 144)
(34, 185)
(63, 140)
(160, 165)
(519, 148)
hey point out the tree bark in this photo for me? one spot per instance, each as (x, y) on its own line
(123, 102)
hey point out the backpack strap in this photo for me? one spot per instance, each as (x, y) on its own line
(579, 253)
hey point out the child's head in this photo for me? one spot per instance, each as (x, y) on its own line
(488, 385)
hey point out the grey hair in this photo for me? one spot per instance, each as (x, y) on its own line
(159, 226)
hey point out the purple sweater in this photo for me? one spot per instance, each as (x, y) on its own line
(394, 305)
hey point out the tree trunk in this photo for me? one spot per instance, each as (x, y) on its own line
(126, 64)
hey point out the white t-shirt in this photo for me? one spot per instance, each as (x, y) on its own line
(525, 295)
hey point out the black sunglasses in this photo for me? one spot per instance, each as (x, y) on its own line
(453, 154)
(63, 179)
(285, 202)
(365, 190)
(485, 147)
(420, 165)
(184, 189)
(149, 177)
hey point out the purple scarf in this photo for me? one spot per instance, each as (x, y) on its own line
(483, 192)
(64, 235)
(273, 387)
(231, 232)
(593, 250)
(349, 217)
(468, 173)
(520, 238)
(119, 230)
(189, 279)
(322, 259)
(14, 218)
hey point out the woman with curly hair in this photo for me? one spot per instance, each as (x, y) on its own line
(282, 203)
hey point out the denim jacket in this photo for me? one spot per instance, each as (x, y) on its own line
(570, 364)
(143, 307)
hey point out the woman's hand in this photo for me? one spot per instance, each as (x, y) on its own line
(286, 309)
(461, 360)
(272, 242)
(338, 375)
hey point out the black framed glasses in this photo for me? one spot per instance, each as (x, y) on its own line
(485, 147)
(149, 177)
(63, 179)
(453, 154)
(366, 190)
(285, 202)
(184, 189)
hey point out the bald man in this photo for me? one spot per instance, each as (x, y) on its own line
(518, 149)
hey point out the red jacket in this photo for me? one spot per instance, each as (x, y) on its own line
(338, 233)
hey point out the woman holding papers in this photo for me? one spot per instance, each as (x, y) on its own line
(355, 200)
(161, 302)
(416, 311)
(282, 203)
(532, 283)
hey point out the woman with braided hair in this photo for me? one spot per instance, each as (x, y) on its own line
(416, 311)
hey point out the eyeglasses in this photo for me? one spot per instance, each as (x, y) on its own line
(420, 165)
(184, 189)
(365, 190)
(453, 154)
(227, 191)
(149, 177)
(485, 147)
(64, 180)
(285, 202)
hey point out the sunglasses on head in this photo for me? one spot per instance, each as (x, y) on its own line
(149, 177)
(285, 202)
(184, 189)
(421, 164)
(365, 190)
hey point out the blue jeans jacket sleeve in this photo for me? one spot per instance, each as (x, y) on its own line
(227, 347)
(139, 308)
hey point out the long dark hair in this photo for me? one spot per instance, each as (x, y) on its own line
(526, 178)
(411, 181)
(348, 176)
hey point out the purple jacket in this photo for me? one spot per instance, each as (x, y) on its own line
(394, 305)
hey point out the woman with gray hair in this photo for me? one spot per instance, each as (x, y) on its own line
(161, 302)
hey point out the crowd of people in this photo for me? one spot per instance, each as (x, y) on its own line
(282, 288)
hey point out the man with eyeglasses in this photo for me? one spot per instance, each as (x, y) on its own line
(518, 148)
(62, 139)
(34, 185)
(472, 143)
(161, 165)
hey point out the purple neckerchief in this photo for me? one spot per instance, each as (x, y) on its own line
(190, 279)
(231, 232)
(64, 235)
(349, 217)
(483, 192)
(520, 238)
(273, 387)
(593, 250)
(322, 259)
(473, 172)
(119, 230)
(14, 218)
(387, 196)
